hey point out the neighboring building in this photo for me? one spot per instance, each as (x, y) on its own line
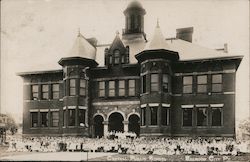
(154, 88)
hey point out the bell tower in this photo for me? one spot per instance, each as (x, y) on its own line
(134, 19)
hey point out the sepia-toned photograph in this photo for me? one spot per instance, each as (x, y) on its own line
(125, 80)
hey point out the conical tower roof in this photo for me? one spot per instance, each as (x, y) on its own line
(158, 40)
(82, 48)
(117, 43)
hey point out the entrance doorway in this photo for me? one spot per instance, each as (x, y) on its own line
(116, 122)
(134, 124)
(98, 126)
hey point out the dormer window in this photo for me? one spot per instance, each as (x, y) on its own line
(117, 56)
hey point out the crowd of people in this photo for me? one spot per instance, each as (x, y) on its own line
(139, 145)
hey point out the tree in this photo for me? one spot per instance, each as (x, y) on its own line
(11, 124)
(244, 128)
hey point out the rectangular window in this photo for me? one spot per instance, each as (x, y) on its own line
(217, 83)
(72, 114)
(55, 91)
(216, 116)
(82, 87)
(44, 119)
(187, 117)
(143, 116)
(117, 56)
(110, 59)
(64, 117)
(34, 92)
(187, 84)
(131, 87)
(45, 92)
(101, 89)
(144, 89)
(153, 113)
(54, 118)
(154, 82)
(72, 87)
(111, 88)
(123, 59)
(82, 117)
(121, 88)
(202, 84)
(165, 116)
(34, 119)
(202, 116)
(165, 83)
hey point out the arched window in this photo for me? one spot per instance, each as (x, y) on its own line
(117, 56)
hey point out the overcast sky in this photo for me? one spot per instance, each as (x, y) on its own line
(36, 33)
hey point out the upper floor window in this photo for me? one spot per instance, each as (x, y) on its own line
(202, 84)
(101, 89)
(45, 91)
(131, 87)
(117, 56)
(217, 83)
(55, 91)
(165, 83)
(34, 92)
(123, 59)
(82, 87)
(121, 88)
(216, 116)
(154, 82)
(202, 116)
(111, 88)
(187, 84)
(153, 114)
(72, 87)
(143, 84)
(187, 117)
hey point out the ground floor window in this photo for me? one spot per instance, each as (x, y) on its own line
(153, 114)
(44, 116)
(143, 116)
(216, 116)
(34, 119)
(165, 116)
(71, 117)
(54, 118)
(64, 117)
(187, 117)
(202, 116)
(82, 116)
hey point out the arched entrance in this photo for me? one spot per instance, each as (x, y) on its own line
(134, 124)
(116, 122)
(98, 126)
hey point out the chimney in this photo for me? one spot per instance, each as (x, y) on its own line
(185, 33)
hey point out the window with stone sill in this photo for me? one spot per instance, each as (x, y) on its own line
(54, 118)
(111, 88)
(121, 88)
(153, 114)
(217, 116)
(101, 91)
(154, 78)
(202, 84)
(217, 83)
(202, 116)
(187, 117)
(187, 84)
(34, 92)
(34, 119)
(55, 91)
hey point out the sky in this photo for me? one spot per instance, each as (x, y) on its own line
(36, 33)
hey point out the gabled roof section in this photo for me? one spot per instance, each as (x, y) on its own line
(82, 48)
(117, 43)
(158, 40)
